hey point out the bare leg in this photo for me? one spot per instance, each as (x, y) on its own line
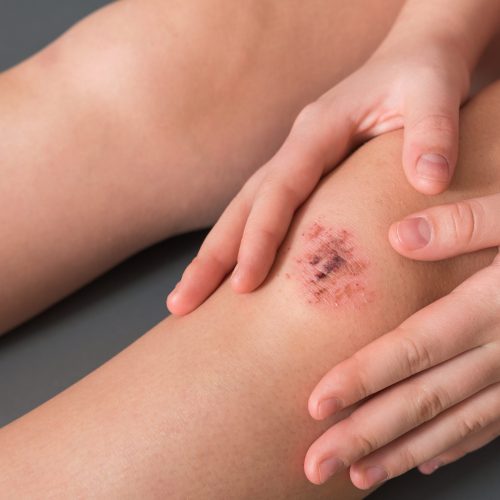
(214, 405)
(144, 120)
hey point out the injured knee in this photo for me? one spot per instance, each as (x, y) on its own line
(330, 268)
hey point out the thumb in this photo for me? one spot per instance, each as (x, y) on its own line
(448, 230)
(430, 147)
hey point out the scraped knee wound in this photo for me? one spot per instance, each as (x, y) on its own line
(330, 269)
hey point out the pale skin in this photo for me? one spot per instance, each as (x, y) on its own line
(146, 136)
(124, 135)
(415, 80)
(214, 405)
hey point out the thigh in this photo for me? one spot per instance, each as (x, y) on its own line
(200, 93)
(145, 118)
(214, 404)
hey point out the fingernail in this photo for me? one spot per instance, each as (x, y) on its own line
(329, 467)
(431, 466)
(375, 475)
(414, 233)
(433, 167)
(328, 406)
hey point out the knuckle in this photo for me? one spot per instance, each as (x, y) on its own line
(415, 355)
(364, 445)
(207, 257)
(361, 379)
(290, 194)
(465, 220)
(279, 188)
(438, 122)
(307, 116)
(268, 234)
(407, 460)
(252, 184)
(471, 424)
(264, 236)
(428, 402)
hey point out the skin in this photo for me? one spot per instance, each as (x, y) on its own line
(416, 79)
(467, 351)
(125, 57)
(146, 136)
(203, 405)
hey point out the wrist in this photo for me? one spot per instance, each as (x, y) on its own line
(434, 51)
(462, 27)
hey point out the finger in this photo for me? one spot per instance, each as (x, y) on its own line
(468, 445)
(318, 140)
(440, 331)
(448, 230)
(403, 407)
(430, 147)
(429, 440)
(216, 257)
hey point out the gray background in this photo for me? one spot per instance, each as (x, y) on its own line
(54, 350)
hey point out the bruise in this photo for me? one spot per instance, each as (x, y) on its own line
(331, 269)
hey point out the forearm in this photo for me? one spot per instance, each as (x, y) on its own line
(465, 25)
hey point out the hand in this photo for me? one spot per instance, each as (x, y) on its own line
(419, 88)
(433, 382)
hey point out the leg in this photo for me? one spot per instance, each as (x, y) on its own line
(213, 405)
(144, 120)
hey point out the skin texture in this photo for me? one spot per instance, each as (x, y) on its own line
(416, 79)
(144, 102)
(123, 132)
(446, 357)
(203, 405)
(330, 269)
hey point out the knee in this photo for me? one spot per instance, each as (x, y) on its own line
(112, 57)
(160, 57)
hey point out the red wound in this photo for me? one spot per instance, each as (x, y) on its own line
(331, 269)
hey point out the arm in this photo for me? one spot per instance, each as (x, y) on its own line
(468, 25)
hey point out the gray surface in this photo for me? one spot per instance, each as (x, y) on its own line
(54, 350)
